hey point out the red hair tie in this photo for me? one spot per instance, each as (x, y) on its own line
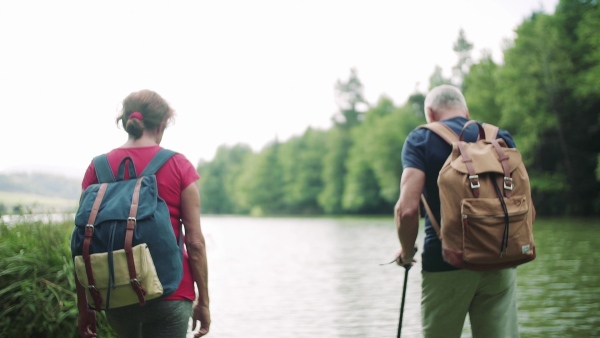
(136, 115)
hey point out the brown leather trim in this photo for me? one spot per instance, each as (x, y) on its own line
(97, 202)
(470, 122)
(89, 232)
(473, 180)
(503, 158)
(131, 223)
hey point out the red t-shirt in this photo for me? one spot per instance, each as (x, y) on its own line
(174, 176)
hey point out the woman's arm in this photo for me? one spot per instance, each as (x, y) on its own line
(194, 241)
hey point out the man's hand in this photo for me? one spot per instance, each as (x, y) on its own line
(200, 314)
(404, 259)
(86, 324)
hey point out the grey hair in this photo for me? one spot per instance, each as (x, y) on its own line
(444, 97)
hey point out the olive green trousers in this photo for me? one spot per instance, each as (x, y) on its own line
(490, 299)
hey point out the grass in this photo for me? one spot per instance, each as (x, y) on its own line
(37, 286)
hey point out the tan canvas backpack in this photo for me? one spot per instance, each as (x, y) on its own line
(486, 209)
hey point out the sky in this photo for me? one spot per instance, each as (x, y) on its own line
(234, 71)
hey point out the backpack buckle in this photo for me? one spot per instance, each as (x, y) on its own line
(474, 180)
(508, 183)
(132, 219)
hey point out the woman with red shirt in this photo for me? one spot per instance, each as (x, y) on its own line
(144, 116)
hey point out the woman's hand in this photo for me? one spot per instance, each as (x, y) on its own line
(200, 314)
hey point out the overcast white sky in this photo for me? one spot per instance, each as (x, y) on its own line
(235, 71)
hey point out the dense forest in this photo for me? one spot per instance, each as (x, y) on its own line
(546, 92)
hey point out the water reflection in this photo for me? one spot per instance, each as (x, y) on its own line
(303, 277)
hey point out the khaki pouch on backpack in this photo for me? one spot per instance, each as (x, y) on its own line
(115, 288)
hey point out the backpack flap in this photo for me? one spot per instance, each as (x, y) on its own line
(484, 158)
(115, 198)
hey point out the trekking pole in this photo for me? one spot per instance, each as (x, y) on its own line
(406, 268)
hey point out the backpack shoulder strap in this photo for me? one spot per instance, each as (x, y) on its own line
(449, 136)
(103, 170)
(491, 131)
(157, 161)
(434, 222)
(442, 131)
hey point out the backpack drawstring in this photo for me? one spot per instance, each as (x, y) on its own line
(111, 270)
(504, 244)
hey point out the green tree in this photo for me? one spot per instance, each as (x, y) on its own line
(337, 145)
(302, 164)
(261, 182)
(587, 86)
(555, 129)
(374, 163)
(480, 88)
(386, 147)
(462, 47)
(437, 78)
(218, 179)
(350, 100)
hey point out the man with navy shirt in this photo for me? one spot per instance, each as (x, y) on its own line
(448, 293)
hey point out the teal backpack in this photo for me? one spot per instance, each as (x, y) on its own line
(123, 245)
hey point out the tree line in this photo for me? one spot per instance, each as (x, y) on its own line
(546, 93)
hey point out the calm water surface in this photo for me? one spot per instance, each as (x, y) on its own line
(318, 277)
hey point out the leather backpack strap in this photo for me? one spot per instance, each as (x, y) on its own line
(131, 223)
(89, 232)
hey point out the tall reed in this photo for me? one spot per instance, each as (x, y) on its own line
(37, 286)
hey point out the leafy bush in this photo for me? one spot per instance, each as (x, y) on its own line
(37, 286)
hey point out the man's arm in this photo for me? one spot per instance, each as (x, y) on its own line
(406, 212)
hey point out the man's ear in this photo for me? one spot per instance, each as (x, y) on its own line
(429, 115)
(468, 113)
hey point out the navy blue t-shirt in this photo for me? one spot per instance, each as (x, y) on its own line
(426, 151)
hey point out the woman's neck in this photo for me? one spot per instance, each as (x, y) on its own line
(145, 140)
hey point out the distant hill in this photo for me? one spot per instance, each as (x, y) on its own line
(44, 184)
(20, 192)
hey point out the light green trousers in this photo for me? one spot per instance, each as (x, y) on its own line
(490, 299)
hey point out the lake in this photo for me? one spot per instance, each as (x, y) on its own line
(321, 277)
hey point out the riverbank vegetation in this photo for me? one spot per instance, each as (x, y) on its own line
(37, 286)
(546, 92)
